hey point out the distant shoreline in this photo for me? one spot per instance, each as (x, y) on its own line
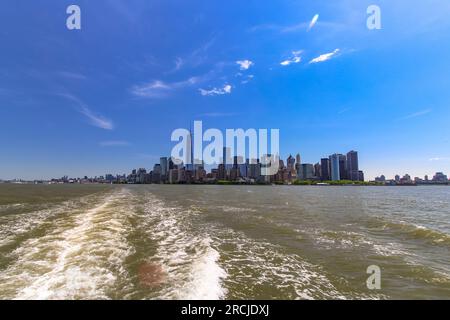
(368, 184)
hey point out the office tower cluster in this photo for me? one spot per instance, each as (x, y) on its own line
(438, 179)
(336, 167)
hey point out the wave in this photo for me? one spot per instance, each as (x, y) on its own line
(80, 257)
(412, 231)
(13, 226)
(256, 265)
(188, 258)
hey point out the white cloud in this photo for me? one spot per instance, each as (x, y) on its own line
(440, 159)
(114, 143)
(417, 114)
(325, 57)
(344, 110)
(218, 114)
(161, 89)
(298, 27)
(72, 75)
(245, 64)
(216, 91)
(154, 89)
(97, 120)
(94, 119)
(247, 79)
(313, 22)
(296, 58)
(178, 64)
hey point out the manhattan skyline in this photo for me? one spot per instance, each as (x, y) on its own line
(107, 97)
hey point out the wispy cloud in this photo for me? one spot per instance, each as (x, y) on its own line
(72, 75)
(247, 79)
(440, 159)
(417, 114)
(161, 89)
(200, 54)
(94, 118)
(296, 58)
(218, 114)
(325, 57)
(302, 26)
(344, 110)
(154, 89)
(114, 143)
(178, 64)
(216, 91)
(245, 64)
(313, 22)
(97, 120)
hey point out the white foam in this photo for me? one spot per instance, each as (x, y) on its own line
(81, 258)
(206, 279)
(188, 258)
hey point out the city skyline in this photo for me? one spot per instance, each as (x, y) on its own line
(240, 169)
(106, 98)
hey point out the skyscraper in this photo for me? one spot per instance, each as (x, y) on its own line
(189, 158)
(226, 161)
(290, 162)
(353, 166)
(306, 172)
(317, 170)
(171, 164)
(298, 162)
(334, 166)
(164, 167)
(343, 167)
(325, 169)
(254, 169)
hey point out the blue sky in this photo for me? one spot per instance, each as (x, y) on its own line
(106, 98)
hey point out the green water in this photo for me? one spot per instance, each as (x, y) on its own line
(223, 242)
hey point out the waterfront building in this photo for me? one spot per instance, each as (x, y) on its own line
(171, 163)
(214, 174)
(406, 179)
(226, 158)
(254, 169)
(360, 176)
(335, 168)
(243, 170)
(164, 168)
(222, 173)
(173, 176)
(306, 172)
(440, 177)
(234, 174)
(182, 175)
(290, 162)
(353, 166)
(325, 169)
(298, 162)
(317, 170)
(343, 167)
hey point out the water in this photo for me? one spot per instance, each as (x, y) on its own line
(223, 242)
